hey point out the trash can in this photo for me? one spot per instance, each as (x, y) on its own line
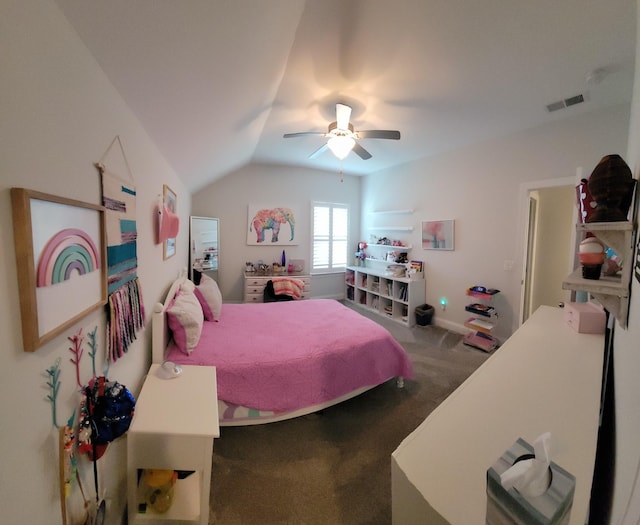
(424, 314)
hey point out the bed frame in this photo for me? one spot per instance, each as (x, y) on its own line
(160, 340)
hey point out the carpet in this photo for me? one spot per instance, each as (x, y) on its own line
(334, 467)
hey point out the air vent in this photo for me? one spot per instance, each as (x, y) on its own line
(567, 102)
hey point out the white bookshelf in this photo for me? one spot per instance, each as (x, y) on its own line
(374, 289)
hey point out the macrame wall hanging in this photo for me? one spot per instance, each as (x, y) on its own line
(125, 316)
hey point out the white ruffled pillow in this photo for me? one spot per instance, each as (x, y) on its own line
(208, 293)
(185, 319)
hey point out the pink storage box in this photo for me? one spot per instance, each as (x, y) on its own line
(585, 318)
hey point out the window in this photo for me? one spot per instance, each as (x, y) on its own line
(330, 231)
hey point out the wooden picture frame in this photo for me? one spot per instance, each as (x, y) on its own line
(170, 200)
(61, 262)
(438, 235)
(271, 226)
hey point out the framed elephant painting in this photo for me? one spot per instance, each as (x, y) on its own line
(271, 226)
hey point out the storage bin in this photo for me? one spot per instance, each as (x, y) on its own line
(585, 318)
(424, 314)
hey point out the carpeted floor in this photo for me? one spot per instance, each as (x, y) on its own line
(334, 468)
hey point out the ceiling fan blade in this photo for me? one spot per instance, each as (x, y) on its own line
(343, 114)
(319, 151)
(304, 134)
(379, 134)
(361, 152)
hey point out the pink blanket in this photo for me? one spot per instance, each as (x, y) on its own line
(288, 286)
(289, 355)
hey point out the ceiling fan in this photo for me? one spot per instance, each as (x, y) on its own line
(343, 138)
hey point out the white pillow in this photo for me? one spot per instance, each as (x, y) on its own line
(185, 318)
(210, 298)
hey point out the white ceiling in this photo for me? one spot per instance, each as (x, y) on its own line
(216, 83)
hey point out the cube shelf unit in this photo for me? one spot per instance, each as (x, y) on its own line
(612, 292)
(393, 297)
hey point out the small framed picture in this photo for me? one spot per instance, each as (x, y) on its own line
(438, 235)
(170, 201)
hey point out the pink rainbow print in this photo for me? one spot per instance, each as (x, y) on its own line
(69, 251)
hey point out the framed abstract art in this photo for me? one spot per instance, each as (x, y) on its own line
(438, 235)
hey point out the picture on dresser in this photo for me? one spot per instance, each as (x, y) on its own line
(271, 225)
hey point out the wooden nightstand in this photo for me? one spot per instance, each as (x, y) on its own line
(173, 428)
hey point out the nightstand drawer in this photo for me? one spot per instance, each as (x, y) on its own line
(253, 298)
(254, 289)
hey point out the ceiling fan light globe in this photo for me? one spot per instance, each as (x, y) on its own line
(340, 146)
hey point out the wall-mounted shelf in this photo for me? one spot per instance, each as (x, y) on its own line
(392, 228)
(390, 247)
(392, 212)
(612, 292)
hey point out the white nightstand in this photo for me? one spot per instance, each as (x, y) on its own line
(174, 425)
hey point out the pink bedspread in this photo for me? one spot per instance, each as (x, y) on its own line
(285, 356)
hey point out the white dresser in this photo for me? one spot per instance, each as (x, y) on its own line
(255, 282)
(545, 378)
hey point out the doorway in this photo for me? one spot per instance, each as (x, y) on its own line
(550, 243)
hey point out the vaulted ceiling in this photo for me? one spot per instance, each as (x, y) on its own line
(216, 83)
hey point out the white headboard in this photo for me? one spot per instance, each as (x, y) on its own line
(159, 329)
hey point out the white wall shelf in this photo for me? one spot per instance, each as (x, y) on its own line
(390, 247)
(392, 212)
(612, 292)
(392, 228)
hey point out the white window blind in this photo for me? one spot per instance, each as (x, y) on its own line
(330, 237)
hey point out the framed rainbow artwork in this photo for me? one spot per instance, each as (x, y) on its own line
(61, 262)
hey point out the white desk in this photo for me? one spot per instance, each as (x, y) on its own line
(173, 427)
(546, 377)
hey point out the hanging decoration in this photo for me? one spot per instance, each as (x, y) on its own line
(54, 383)
(106, 410)
(126, 315)
(94, 347)
(77, 352)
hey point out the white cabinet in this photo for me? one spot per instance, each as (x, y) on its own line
(612, 292)
(254, 284)
(173, 428)
(384, 294)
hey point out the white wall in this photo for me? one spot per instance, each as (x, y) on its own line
(480, 187)
(59, 115)
(229, 197)
(626, 494)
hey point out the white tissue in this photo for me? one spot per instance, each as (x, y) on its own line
(531, 477)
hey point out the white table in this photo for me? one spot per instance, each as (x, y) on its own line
(546, 377)
(174, 425)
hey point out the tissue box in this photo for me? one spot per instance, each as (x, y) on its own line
(506, 507)
(585, 318)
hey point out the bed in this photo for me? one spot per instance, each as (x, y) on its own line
(279, 360)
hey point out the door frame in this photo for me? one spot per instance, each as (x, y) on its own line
(526, 188)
